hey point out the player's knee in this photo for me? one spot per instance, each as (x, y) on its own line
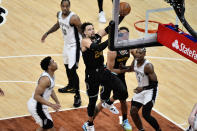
(123, 94)
(145, 114)
(47, 124)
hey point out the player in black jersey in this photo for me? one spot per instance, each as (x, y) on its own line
(97, 74)
(114, 60)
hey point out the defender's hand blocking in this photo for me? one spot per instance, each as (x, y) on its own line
(124, 9)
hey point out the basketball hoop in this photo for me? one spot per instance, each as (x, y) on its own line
(150, 31)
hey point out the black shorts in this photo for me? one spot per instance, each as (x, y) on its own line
(118, 84)
(104, 77)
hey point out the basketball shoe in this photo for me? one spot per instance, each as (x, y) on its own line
(66, 89)
(111, 107)
(77, 101)
(102, 17)
(86, 127)
(126, 125)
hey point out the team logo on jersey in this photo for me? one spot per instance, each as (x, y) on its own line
(3, 14)
(123, 52)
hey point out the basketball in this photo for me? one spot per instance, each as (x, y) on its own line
(124, 8)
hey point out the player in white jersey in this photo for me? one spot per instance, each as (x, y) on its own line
(145, 93)
(39, 102)
(70, 25)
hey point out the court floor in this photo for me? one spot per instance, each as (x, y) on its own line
(21, 52)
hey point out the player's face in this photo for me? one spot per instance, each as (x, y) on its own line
(65, 6)
(89, 31)
(140, 54)
(53, 65)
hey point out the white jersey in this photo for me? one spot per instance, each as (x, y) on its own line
(48, 91)
(142, 78)
(67, 29)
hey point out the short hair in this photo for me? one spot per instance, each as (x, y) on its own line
(142, 49)
(83, 26)
(65, 0)
(124, 28)
(45, 63)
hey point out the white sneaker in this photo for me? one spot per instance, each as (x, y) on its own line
(102, 17)
(111, 108)
(86, 127)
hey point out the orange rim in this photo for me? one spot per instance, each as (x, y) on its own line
(143, 30)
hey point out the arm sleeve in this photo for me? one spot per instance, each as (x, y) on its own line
(152, 84)
(120, 20)
(99, 47)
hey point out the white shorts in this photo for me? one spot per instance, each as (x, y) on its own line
(145, 96)
(69, 55)
(32, 108)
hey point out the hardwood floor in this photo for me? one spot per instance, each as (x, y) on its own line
(28, 20)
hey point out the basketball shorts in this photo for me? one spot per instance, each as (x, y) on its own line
(40, 115)
(69, 55)
(105, 91)
(145, 96)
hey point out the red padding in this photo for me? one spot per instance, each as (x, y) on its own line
(177, 42)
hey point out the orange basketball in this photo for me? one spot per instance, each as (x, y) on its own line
(124, 8)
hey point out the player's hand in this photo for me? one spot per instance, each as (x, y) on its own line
(138, 90)
(1, 92)
(56, 107)
(44, 37)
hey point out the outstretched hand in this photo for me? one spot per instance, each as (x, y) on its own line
(44, 37)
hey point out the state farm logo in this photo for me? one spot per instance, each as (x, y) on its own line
(186, 50)
(175, 44)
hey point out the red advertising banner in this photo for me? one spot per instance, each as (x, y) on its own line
(177, 41)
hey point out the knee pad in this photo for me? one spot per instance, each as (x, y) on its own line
(47, 124)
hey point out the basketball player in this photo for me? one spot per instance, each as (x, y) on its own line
(114, 60)
(193, 119)
(1, 92)
(145, 93)
(70, 24)
(39, 102)
(97, 74)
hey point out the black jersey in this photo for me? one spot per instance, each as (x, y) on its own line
(122, 57)
(93, 59)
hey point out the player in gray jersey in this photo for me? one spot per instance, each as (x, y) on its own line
(70, 25)
(39, 102)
